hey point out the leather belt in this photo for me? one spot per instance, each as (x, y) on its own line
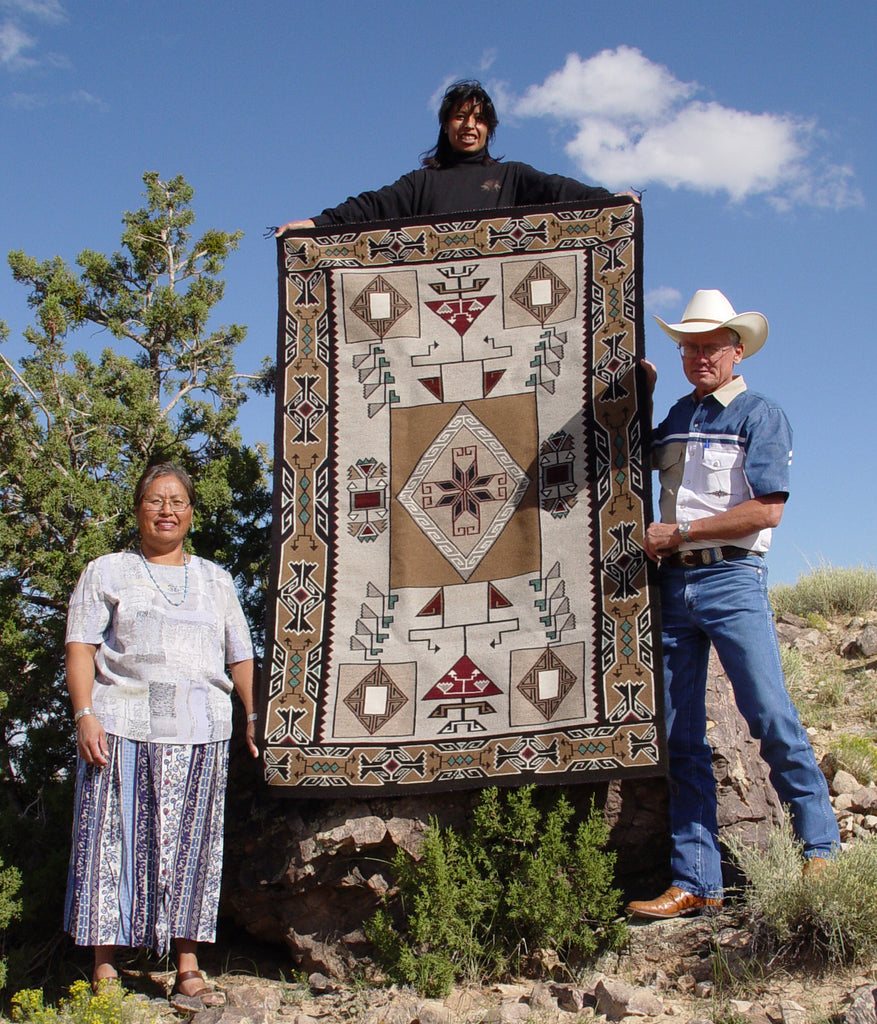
(697, 557)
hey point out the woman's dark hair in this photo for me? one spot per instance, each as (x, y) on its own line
(466, 91)
(158, 469)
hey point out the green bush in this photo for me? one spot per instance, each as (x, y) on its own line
(473, 906)
(112, 1005)
(828, 917)
(10, 883)
(828, 591)
(10, 908)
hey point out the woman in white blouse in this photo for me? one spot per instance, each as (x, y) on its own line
(156, 641)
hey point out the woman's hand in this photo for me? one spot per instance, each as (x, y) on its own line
(92, 741)
(251, 739)
(242, 677)
(292, 225)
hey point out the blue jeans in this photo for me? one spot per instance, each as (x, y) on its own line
(726, 603)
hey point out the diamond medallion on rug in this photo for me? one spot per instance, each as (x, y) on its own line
(459, 593)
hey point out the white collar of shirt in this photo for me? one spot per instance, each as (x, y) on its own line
(727, 392)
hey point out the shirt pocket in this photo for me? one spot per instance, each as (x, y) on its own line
(722, 470)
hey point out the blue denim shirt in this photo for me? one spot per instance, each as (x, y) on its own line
(711, 455)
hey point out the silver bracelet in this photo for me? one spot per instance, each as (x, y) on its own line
(81, 713)
(252, 717)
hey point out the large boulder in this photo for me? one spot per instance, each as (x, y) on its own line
(307, 872)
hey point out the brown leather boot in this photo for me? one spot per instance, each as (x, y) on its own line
(673, 903)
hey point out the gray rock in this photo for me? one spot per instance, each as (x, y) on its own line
(431, 1011)
(319, 983)
(265, 997)
(509, 1011)
(618, 1000)
(541, 999)
(844, 782)
(230, 1015)
(863, 1008)
(572, 998)
(864, 800)
(793, 1013)
(861, 643)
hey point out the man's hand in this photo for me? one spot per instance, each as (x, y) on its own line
(661, 539)
(651, 372)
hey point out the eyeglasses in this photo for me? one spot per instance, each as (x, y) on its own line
(157, 504)
(696, 351)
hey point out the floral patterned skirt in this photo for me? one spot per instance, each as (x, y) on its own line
(146, 862)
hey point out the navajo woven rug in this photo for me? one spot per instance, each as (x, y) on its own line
(459, 591)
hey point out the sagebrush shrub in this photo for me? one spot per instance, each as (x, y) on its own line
(829, 916)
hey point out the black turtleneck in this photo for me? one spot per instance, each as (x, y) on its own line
(468, 184)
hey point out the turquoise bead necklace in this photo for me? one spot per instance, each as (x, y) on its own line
(175, 604)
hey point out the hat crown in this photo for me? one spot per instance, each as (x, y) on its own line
(708, 305)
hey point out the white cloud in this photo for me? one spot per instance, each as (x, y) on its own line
(39, 101)
(83, 98)
(13, 44)
(621, 84)
(51, 11)
(662, 298)
(635, 123)
(488, 59)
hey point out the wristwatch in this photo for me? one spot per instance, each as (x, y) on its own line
(683, 529)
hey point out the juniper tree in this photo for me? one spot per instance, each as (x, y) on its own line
(77, 429)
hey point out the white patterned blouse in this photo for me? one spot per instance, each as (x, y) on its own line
(164, 635)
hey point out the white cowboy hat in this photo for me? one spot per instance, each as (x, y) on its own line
(708, 310)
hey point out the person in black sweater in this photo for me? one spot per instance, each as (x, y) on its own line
(458, 173)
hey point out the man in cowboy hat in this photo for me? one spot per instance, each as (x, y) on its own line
(723, 455)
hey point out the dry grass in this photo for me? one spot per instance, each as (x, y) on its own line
(828, 592)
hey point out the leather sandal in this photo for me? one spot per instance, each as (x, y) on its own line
(199, 1000)
(98, 983)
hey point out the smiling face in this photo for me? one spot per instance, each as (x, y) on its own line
(467, 128)
(709, 358)
(164, 515)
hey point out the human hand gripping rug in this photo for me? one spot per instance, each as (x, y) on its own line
(459, 591)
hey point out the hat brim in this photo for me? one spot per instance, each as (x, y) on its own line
(751, 327)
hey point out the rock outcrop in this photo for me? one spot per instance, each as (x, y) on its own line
(307, 873)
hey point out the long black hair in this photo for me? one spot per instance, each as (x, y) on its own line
(467, 90)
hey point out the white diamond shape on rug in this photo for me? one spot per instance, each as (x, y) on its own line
(464, 490)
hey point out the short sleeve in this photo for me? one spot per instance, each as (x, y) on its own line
(90, 610)
(767, 460)
(238, 642)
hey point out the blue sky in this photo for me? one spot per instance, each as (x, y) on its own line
(751, 127)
